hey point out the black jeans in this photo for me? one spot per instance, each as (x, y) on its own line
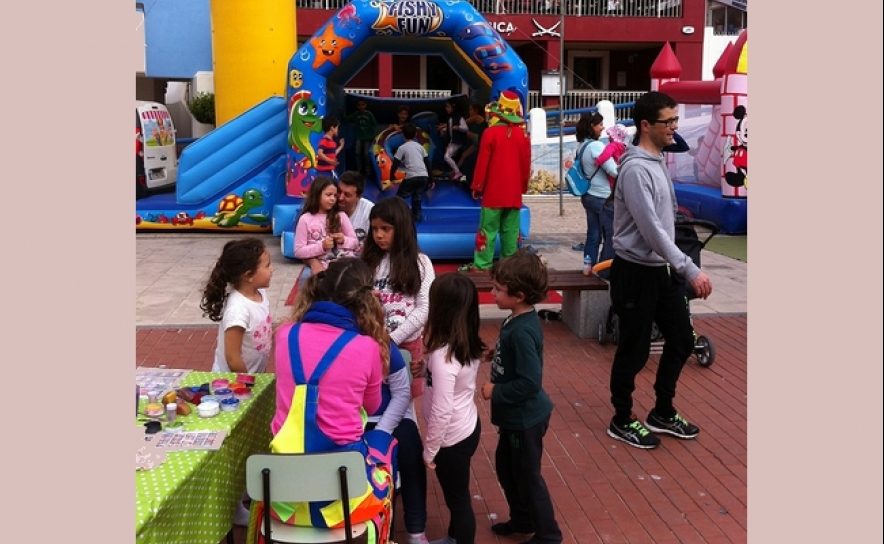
(413, 474)
(413, 188)
(453, 472)
(517, 460)
(641, 296)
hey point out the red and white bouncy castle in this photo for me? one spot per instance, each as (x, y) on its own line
(722, 157)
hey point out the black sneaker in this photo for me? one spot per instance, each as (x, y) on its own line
(508, 528)
(676, 426)
(633, 433)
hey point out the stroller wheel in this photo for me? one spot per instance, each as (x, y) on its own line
(603, 333)
(705, 351)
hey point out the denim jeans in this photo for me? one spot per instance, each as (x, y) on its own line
(594, 226)
(606, 217)
(412, 189)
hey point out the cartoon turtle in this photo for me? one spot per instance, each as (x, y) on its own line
(232, 208)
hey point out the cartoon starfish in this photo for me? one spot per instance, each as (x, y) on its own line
(303, 120)
(328, 47)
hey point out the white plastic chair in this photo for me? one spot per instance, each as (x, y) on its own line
(307, 477)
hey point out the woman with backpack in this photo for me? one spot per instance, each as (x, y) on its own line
(599, 217)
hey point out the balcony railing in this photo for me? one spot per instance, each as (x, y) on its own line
(573, 100)
(402, 93)
(577, 100)
(590, 8)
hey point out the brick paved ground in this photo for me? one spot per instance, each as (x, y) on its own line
(604, 491)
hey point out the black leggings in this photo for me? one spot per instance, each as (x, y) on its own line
(453, 472)
(641, 296)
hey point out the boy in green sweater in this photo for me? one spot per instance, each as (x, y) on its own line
(520, 407)
(366, 126)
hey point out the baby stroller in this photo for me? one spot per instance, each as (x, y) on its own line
(687, 240)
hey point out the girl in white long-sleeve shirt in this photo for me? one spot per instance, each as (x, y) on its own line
(454, 349)
(402, 278)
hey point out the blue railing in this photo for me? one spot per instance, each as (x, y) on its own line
(553, 131)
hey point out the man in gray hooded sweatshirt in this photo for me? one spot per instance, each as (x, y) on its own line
(648, 279)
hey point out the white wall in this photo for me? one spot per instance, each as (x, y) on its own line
(138, 48)
(713, 47)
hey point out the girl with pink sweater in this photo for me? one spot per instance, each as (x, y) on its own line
(454, 348)
(322, 233)
(330, 361)
(614, 149)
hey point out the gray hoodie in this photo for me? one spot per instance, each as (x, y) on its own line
(644, 214)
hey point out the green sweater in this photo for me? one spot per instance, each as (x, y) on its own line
(518, 401)
(365, 124)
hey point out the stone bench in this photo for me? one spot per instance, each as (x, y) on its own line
(585, 299)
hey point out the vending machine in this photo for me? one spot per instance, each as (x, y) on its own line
(156, 155)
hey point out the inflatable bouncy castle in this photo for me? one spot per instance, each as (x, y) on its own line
(327, 61)
(714, 121)
(318, 71)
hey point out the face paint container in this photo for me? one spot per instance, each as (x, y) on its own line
(171, 411)
(224, 394)
(154, 410)
(208, 409)
(220, 383)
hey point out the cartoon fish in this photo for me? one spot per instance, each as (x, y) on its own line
(385, 164)
(302, 121)
(296, 79)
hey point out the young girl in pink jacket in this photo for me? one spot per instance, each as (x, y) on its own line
(614, 149)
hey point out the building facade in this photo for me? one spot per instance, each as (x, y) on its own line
(608, 45)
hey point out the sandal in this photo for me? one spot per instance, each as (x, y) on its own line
(578, 247)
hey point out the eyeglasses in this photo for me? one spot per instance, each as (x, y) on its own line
(668, 122)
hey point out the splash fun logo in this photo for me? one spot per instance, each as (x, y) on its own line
(409, 18)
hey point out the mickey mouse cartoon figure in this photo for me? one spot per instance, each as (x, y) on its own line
(739, 150)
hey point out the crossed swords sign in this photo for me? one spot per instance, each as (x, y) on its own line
(551, 31)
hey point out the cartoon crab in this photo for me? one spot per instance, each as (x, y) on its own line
(183, 218)
(232, 208)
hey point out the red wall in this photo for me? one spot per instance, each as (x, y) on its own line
(647, 33)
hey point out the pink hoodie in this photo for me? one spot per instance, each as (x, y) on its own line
(614, 149)
(352, 382)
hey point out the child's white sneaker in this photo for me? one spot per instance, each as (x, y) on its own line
(417, 538)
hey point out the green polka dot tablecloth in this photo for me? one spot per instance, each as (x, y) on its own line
(191, 497)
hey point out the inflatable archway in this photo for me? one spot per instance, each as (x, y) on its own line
(319, 70)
